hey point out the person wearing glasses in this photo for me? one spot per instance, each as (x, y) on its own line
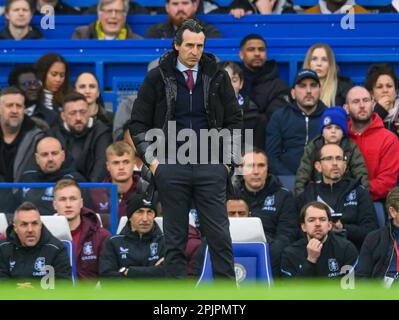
(333, 129)
(111, 23)
(351, 207)
(83, 138)
(378, 145)
(25, 79)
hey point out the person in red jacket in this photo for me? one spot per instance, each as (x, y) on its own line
(379, 146)
(87, 234)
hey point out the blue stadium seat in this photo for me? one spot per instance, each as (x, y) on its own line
(151, 3)
(70, 249)
(251, 264)
(288, 182)
(305, 3)
(223, 3)
(365, 3)
(380, 211)
(80, 3)
(122, 86)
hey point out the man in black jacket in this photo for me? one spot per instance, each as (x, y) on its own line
(30, 247)
(138, 251)
(83, 138)
(50, 167)
(178, 11)
(269, 201)
(379, 255)
(322, 253)
(262, 83)
(349, 202)
(25, 79)
(187, 93)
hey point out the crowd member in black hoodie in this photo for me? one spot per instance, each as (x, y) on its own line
(262, 83)
(83, 138)
(30, 247)
(322, 253)
(349, 202)
(379, 255)
(18, 15)
(269, 201)
(87, 234)
(138, 251)
(25, 79)
(50, 167)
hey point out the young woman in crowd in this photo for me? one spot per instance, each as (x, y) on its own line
(334, 87)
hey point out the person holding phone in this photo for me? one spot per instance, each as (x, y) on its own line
(341, 194)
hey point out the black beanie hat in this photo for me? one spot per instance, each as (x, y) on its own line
(138, 201)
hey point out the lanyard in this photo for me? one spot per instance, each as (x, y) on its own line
(395, 245)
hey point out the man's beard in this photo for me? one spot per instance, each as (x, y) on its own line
(178, 21)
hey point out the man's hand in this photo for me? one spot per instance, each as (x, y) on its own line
(314, 249)
(386, 103)
(238, 13)
(265, 6)
(159, 261)
(337, 225)
(153, 166)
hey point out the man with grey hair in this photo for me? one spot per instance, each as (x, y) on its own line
(30, 248)
(18, 135)
(111, 23)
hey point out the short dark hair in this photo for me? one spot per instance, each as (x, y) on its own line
(9, 2)
(317, 205)
(256, 151)
(252, 36)
(234, 67)
(11, 90)
(393, 199)
(318, 153)
(18, 71)
(375, 71)
(26, 206)
(193, 25)
(73, 97)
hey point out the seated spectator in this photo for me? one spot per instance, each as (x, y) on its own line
(134, 8)
(240, 8)
(138, 251)
(321, 253)
(270, 202)
(262, 83)
(18, 133)
(249, 109)
(83, 138)
(349, 202)
(30, 247)
(25, 79)
(336, 6)
(50, 167)
(320, 58)
(379, 146)
(392, 8)
(237, 208)
(379, 254)
(179, 11)
(291, 128)
(88, 236)
(381, 81)
(111, 23)
(87, 84)
(120, 164)
(18, 15)
(333, 129)
(58, 8)
(53, 72)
